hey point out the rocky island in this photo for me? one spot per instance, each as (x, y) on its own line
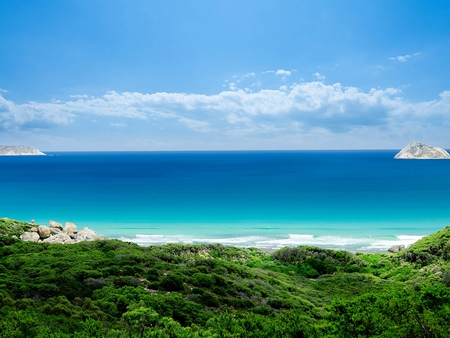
(417, 150)
(19, 150)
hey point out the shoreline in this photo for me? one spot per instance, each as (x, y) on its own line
(271, 249)
(362, 244)
(239, 242)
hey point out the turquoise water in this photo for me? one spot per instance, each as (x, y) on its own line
(354, 200)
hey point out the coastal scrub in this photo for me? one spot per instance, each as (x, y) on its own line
(110, 288)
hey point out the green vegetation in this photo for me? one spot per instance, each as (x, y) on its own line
(11, 228)
(116, 289)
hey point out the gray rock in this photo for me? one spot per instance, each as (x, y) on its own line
(43, 231)
(70, 229)
(417, 150)
(87, 235)
(30, 237)
(60, 238)
(34, 229)
(396, 248)
(53, 224)
(69, 241)
(55, 231)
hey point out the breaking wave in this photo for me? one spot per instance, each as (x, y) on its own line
(362, 244)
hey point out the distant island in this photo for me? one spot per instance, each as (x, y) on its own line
(19, 150)
(420, 151)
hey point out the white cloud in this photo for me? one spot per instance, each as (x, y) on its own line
(283, 72)
(309, 109)
(318, 76)
(200, 126)
(233, 86)
(33, 115)
(403, 58)
(84, 96)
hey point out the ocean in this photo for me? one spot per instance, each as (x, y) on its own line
(353, 200)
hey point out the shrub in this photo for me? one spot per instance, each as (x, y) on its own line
(209, 300)
(201, 279)
(133, 270)
(172, 282)
(307, 271)
(152, 274)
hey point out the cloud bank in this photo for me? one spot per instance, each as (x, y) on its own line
(312, 112)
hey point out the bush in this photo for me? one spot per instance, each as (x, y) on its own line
(152, 274)
(133, 270)
(173, 282)
(209, 300)
(201, 279)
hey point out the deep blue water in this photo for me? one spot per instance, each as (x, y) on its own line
(356, 200)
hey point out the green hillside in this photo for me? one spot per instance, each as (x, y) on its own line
(115, 289)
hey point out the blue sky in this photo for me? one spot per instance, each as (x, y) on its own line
(224, 75)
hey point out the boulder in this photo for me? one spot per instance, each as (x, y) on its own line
(86, 234)
(69, 241)
(43, 231)
(60, 238)
(396, 248)
(55, 231)
(53, 224)
(33, 229)
(70, 229)
(30, 237)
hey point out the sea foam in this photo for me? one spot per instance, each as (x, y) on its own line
(363, 244)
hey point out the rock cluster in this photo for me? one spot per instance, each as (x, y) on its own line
(417, 150)
(56, 234)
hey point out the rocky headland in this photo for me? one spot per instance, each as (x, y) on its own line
(420, 151)
(19, 150)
